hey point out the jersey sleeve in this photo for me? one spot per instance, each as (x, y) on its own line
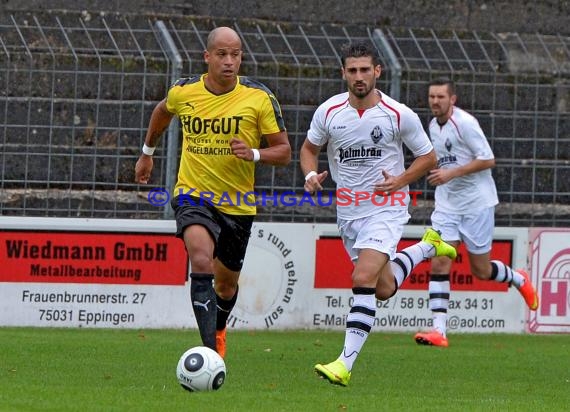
(317, 133)
(476, 140)
(413, 134)
(271, 119)
(172, 98)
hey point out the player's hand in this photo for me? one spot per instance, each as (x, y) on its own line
(143, 168)
(314, 183)
(389, 185)
(240, 149)
(438, 177)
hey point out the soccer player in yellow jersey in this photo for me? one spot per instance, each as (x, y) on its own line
(224, 117)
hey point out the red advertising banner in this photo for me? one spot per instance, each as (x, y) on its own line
(334, 268)
(91, 257)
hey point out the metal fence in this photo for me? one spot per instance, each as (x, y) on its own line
(78, 90)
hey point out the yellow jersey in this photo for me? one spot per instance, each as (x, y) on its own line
(208, 169)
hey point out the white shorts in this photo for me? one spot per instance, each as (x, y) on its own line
(475, 230)
(380, 232)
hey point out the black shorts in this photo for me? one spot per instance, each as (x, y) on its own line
(230, 232)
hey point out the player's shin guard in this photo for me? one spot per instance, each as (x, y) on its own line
(204, 304)
(224, 309)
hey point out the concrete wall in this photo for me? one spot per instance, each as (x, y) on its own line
(525, 16)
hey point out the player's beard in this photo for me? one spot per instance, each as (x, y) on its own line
(439, 110)
(361, 92)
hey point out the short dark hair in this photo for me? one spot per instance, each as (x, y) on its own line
(444, 81)
(359, 49)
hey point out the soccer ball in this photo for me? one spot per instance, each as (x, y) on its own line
(201, 369)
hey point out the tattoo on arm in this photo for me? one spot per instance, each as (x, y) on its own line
(155, 136)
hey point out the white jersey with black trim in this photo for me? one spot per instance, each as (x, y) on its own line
(458, 142)
(363, 143)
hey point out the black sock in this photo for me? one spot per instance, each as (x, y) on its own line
(204, 304)
(224, 309)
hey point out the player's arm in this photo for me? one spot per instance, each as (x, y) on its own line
(476, 141)
(418, 168)
(483, 157)
(159, 121)
(309, 156)
(277, 154)
(279, 151)
(415, 138)
(441, 176)
(476, 165)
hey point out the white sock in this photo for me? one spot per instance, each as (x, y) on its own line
(407, 259)
(440, 322)
(439, 289)
(358, 324)
(427, 249)
(505, 274)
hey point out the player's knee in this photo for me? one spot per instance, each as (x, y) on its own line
(225, 290)
(201, 262)
(385, 292)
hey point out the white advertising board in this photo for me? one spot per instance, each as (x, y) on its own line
(475, 306)
(132, 274)
(91, 273)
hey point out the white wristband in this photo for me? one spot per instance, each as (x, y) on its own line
(149, 151)
(256, 155)
(309, 175)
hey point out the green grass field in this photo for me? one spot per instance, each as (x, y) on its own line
(134, 370)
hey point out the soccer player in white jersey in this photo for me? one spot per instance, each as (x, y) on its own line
(364, 131)
(465, 200)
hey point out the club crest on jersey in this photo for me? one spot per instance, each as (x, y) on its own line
(376, 134)
(448, 145)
